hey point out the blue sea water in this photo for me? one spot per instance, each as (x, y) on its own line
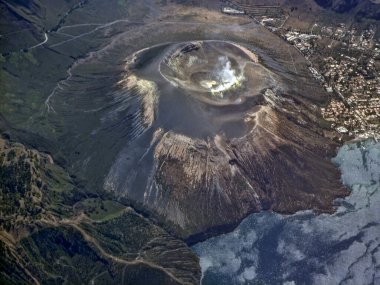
(304, 248)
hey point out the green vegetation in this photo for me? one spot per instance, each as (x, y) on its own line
(11, 272)
(102, 210)
(121, 3)
(30, 185)
(124, 236)
(53, 233)
(20, 188)
(57, 253)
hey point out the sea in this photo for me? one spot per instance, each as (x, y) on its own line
(307, 248)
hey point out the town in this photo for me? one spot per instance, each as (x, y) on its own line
(343, 59)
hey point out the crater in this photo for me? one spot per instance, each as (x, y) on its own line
(215, 72)
(205, 88)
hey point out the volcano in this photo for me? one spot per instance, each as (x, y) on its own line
(132, 130)
(197, 129)
(217, 138)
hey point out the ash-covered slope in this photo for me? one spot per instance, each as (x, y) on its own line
(200, 123)
(218, 156)
(283, 170)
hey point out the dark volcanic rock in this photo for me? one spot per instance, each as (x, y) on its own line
(278, 166)
(361, 9)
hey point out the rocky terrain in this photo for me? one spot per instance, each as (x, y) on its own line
(49, 230)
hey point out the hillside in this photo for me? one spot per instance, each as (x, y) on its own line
(50, 232)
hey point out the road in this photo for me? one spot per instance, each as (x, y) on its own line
(75, 223)
(41, 43)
